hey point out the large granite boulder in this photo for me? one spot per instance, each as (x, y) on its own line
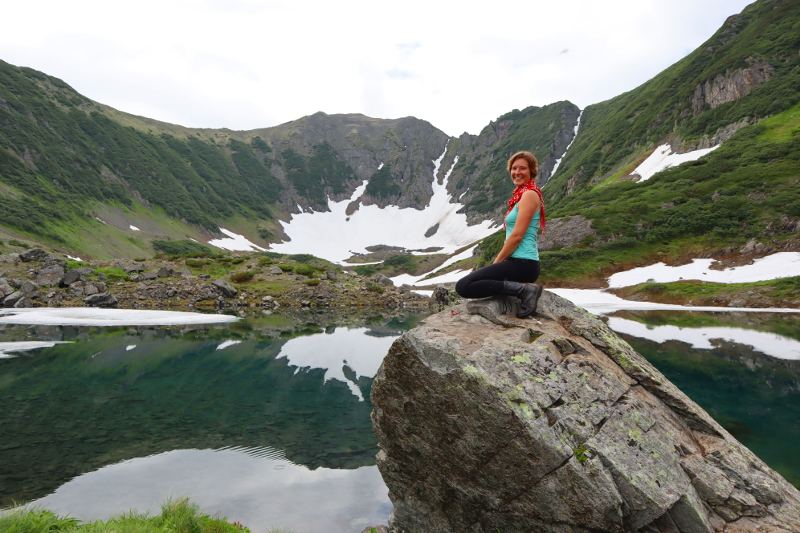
(487, 422)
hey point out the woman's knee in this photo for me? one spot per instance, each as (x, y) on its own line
(461, 287)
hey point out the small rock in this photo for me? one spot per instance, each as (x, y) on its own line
(105, 299)
(275, 271)
(13, 298)
(29, 287)
(136, 267)
(50, 276)
(380, 279)
(34, 254)
(70, 277)
(225, 288)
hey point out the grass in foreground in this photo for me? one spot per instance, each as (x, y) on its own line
(177, 516)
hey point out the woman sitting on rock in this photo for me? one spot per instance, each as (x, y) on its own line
(516, 267)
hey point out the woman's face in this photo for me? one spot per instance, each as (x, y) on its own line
(520, 171)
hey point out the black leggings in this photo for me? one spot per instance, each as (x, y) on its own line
(488, 281)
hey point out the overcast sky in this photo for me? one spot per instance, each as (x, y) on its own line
(245, 64)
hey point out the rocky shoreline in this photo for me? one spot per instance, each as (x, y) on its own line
(35, 278)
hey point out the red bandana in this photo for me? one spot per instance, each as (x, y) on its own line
(529, 185)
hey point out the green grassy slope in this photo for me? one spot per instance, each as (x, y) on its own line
(617, 132)
(59, 153)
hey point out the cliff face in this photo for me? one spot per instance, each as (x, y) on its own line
(554, 424)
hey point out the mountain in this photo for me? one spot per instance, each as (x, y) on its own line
(84, 178)
(68, 165)
(738, 93)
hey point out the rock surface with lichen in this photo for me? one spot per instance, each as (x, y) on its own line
(487, 422)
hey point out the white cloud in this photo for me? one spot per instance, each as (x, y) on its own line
(249, 64)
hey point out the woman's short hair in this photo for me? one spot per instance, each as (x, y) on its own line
(530, 158)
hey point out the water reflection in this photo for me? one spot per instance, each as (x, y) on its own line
(268, 418)
(256, 486)
(274, 383)
(741, 367)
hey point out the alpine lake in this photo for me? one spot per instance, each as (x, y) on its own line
(267, 420)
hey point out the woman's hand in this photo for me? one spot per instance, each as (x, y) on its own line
(527, 207)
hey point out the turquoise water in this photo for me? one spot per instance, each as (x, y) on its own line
(270, 409)
(267, 420)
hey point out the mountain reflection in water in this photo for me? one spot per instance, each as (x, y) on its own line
(266, 419)
(127, 395)
(721, 361)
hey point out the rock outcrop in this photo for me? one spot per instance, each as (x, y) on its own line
(554, 424)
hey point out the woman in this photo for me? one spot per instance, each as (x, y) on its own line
(516, 267)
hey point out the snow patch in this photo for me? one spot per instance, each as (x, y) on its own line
(449, 277)
(235, 243)
(22, 346)
(227, 343)
(90, 316)
(767, 343)
(600, 302)
(575, 135)
(351, 348)
(130, 347)
(779, 265)
(134, 228)
(335, 236)
(663, 158)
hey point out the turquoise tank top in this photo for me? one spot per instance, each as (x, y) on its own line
(528, 248)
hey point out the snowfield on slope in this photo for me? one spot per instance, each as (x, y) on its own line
(335, 236)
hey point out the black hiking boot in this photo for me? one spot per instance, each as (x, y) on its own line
(528, 294)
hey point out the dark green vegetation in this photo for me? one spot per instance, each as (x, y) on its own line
(59, 152)
(177, 516)
(324, 172)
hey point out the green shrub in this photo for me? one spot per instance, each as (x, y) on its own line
(265, 261)
(301, 258)
(139, 259)
(194, 263)
(304, 270)
(401, 262)
(114, 274)
(72, 264)
(181, 247)
(15, 242)
(286, 268)
(312, 282)
(375, 288)
(242, 277)
(367, 270)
